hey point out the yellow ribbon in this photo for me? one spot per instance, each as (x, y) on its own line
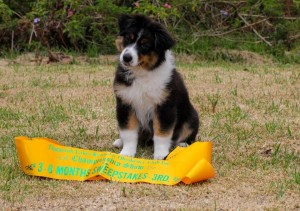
(47, 158)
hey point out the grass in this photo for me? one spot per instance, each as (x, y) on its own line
(249, 112)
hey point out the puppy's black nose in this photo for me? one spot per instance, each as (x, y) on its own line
(127, 57)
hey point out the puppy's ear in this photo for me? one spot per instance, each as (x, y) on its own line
(163, 39)
(124, 22)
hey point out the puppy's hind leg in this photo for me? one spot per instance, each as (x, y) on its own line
(163, 125)
(188, 131)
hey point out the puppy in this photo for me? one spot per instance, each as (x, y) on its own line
(150, 94)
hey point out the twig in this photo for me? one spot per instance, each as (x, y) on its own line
(31, 35)
(190, 24)
(12, 40)
(254, 30)
(294, 37)
(90, 2)
(230, 31)
(241, 40)
(17, 14)
(263, 16)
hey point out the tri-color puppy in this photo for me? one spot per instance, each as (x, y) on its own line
(152, 100)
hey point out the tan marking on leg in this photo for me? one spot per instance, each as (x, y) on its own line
(132, 121)
(184, 133)
(158, 130)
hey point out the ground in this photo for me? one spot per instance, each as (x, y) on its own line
(249, 111)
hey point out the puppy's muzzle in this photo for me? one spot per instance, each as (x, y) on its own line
(127, 58)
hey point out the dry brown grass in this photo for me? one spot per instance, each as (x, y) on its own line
(254, 128)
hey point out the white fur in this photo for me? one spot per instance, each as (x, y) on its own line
(118, 143)
(147, 90)
(129, 139)
(161, 147)
(131, 49)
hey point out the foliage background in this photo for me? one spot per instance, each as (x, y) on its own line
(205, 28)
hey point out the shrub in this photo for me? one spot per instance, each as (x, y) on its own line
(200, 26)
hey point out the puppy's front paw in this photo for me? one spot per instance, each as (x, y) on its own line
(126, 152)
(182, 144)
(118, 143)
(160, 154)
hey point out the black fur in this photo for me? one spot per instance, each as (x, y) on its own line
(123, 112)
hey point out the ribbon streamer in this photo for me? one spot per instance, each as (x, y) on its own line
(47, 158)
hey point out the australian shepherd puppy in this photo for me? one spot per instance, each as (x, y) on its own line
(152, 100)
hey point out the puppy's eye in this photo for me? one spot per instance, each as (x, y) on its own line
(129, 37)
(144, 46)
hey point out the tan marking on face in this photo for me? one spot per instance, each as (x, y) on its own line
(119, 43)
(158, 130)
(143, 41)
(148, 61)
(132, 121)
(131, 35)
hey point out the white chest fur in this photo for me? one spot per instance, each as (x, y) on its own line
(148, 90)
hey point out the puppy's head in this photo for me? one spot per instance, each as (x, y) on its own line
(144, 42)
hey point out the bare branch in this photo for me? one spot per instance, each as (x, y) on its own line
(12, 40)
(263, 16)
(233, 30)
(254, 30)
